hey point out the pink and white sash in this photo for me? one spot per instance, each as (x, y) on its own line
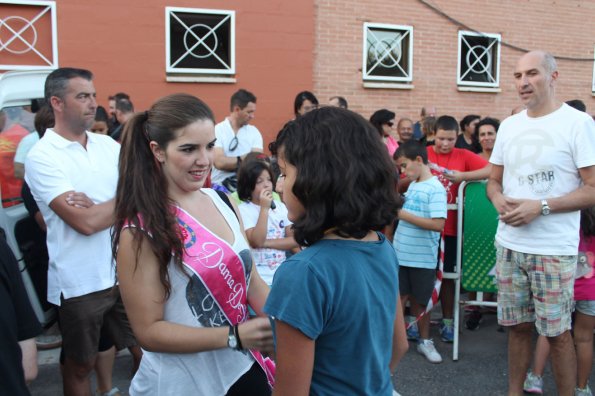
(221, 271)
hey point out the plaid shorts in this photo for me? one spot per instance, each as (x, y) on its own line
(535, 288)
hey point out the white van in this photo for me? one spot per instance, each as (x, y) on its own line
(19, 92)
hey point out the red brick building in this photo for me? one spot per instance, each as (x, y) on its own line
(563, 28)
(401, 55)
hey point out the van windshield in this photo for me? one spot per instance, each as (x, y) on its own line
(17, 136)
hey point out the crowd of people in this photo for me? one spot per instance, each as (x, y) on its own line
(227, 271)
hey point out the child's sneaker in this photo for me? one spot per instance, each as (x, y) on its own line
(413, 330)
(113, 392)
(586, 391)
(426, 348)
(533, 384)
(447, 331)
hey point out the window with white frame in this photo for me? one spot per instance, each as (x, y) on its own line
(388, 53)
(28, 35)
(200, 41)
(479, 59)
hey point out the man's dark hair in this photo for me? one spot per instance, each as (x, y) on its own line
(447, 123)
(118, 96)
(345, 177)
(577, 104)
(342, 101)
(247, 176)
(125, 106)
(411, 150)
(241, 99)
(57, 81)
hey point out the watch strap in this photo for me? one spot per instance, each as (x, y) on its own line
(236, 332)
(545, 208)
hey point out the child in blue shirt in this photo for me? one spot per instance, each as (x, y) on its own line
(417, 236)
(335, 304)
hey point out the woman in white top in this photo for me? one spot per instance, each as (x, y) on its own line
(265, 221)
(184, 267)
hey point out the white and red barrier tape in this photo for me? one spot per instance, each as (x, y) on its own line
(437, 285)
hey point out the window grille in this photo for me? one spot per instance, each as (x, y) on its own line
(200, 41)
(388, 53)
(479, 59)
(28, 35)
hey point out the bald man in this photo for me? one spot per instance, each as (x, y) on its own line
(543, 173)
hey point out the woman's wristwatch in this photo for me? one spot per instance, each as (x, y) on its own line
(233, 338)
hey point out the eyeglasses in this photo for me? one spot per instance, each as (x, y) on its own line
(233, 144)
(390, 123)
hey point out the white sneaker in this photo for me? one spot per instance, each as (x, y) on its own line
(395, 393)
(426, 348)
(586, 391)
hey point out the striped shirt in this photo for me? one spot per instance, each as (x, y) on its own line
(415, 246)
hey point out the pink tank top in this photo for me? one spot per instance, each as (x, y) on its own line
(584, 287)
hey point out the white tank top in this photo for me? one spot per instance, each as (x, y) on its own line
(202, 373)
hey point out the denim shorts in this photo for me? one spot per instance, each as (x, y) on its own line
(535, 288)
(586, 307)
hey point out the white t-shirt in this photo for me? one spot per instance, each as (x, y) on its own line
(267, 260)
(25, 146)
(78, 264)
(248, 138)
(190, 304)
(541, 157)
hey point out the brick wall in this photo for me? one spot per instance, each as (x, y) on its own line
(564, 28)
(123, 43)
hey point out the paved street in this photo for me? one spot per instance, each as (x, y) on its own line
(480, 370)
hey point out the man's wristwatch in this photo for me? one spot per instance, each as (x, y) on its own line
(232, 341)
(545, 208)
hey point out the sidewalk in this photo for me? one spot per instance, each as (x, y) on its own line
(480, 370)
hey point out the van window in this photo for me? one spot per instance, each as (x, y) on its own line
(17, 136)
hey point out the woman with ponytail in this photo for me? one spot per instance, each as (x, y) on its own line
(184, 266)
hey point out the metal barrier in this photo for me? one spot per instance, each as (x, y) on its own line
(477, 220)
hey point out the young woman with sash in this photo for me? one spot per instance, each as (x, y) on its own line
(338, 327)
(185, 270)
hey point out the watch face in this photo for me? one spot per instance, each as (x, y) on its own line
(545, 208)
(232, 342)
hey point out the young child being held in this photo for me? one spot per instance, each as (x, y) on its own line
(417, 236)
(339, 329)
(267, 228)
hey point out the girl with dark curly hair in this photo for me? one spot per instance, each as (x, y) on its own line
(335, 303)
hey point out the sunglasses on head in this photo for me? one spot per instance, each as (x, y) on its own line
(233, 144)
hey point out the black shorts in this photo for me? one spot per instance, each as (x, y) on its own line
(417, 283)
(82, 319)
(254, 382)
(450, 253)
